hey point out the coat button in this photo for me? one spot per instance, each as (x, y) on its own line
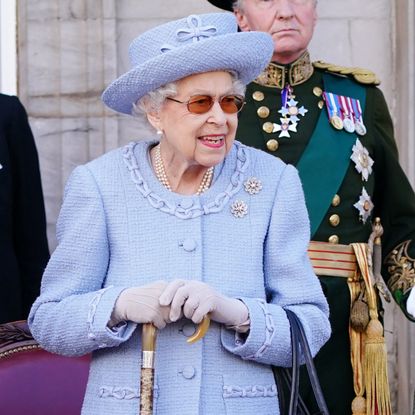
(188, 372)
(188, 329)
(336, 200)
(272, 145)
(334, 239)
(334, 220)
(258, 96)
(189, 245)
(263, 112)
(268, 127)
(317, 91)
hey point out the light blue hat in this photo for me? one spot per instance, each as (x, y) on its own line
(198, 43)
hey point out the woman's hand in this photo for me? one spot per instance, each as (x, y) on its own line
(141, 305)
(195, 299)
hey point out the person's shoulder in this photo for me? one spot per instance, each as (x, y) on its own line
(10, 105)
(363, 76)
(111, 159)
(8, 99)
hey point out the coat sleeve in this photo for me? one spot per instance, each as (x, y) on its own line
(394, 201)
(29, 224)
(71, 314)
(289, 283)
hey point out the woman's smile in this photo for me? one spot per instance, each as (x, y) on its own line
(213, 140)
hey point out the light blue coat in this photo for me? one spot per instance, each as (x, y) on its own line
(119, 227)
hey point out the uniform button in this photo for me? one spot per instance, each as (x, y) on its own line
(188, 372)
(189, 245)
(263, 112)
(186, 203)
(188, 329)
(272, 145)
(334, 220)
(317, 91)
(334, 239)
(258, 96)
(321, 104)
(336, 201)
(268, 127)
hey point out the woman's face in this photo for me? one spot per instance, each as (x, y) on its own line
(198, 139)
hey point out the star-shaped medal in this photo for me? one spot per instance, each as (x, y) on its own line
(362, 160)
(364, 205)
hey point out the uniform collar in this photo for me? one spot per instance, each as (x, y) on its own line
(292, 74)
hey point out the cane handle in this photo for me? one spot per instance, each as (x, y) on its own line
(202, 328)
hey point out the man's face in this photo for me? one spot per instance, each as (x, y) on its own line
(289, 22)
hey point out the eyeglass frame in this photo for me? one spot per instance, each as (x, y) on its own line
(241, 97)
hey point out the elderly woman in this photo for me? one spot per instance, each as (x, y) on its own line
(168, 232)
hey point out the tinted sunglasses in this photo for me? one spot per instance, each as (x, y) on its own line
(200, 104)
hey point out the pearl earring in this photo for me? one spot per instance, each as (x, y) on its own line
(159, 132)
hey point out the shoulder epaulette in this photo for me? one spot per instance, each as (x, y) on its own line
(363, 76)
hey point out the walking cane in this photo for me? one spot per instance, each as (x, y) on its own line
(148, 341)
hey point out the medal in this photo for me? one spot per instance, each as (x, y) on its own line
(333, 110)
(290, 113)
(348, 123)
(362, 160)
(336, 122)
(358, 122)
(360, 127)
(364, 205)
(284, 128)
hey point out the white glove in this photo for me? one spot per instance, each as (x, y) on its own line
(199, 299)
(410, 303)
(141, 305)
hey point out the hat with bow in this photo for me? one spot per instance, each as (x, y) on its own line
(196, 44)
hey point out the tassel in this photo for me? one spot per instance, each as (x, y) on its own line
(375, 374)
(359, 406)
(359, 314)
(375, 371)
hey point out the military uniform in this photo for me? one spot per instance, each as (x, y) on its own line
(372, 184)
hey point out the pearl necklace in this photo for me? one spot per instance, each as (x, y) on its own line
(162, 176)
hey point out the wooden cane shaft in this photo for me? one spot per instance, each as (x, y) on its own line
(146, 395)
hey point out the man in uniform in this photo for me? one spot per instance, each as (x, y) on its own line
(333, 124)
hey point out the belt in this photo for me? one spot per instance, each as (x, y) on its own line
(333, 260)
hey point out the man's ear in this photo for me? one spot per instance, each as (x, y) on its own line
(242, 21)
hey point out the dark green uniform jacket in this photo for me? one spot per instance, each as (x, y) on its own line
(387, 187)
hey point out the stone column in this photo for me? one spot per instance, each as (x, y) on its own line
(404, 110)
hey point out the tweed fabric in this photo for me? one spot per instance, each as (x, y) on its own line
(113, 235)
(196, 44)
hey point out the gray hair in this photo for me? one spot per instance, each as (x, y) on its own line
(237, 4)
(154, 100)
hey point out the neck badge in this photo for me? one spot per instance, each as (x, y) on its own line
(290, 113)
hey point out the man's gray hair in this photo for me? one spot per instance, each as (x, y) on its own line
(238, 4)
